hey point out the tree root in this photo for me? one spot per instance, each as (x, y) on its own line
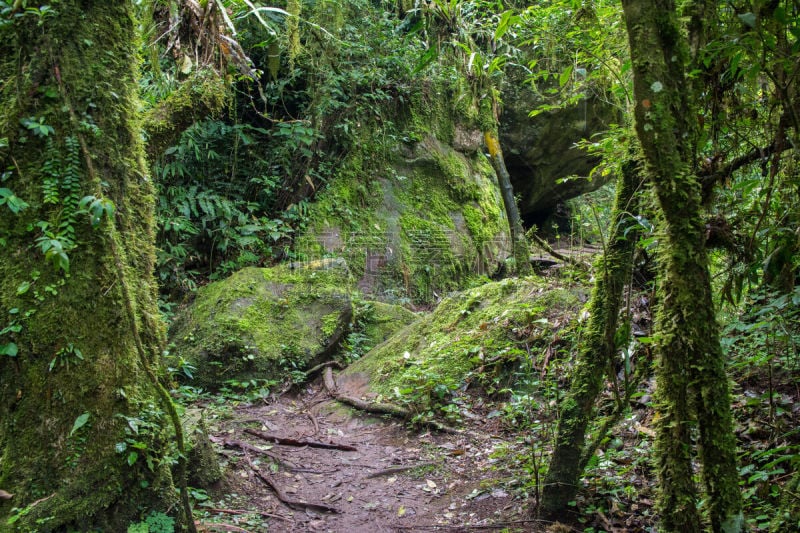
(294, 504)
(379, 408)
(299, 443)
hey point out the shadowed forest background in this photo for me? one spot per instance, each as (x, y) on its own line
(536, 265)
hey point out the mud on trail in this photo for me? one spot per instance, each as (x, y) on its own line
(341, 470)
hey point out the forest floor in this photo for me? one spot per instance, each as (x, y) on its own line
(370, 473)
(382, 477)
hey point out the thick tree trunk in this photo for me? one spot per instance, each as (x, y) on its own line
(595, 356)
(80, 418)
(690, 373)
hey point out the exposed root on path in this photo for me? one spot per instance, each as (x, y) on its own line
(379, 408)
(294, 504)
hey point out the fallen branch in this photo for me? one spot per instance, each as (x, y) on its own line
(218, 527)
(379, 408)
(294, 504)
(498, 525)
(285, 441)
(314, 369)
(396, 469)
(550, 250)
(369, 407)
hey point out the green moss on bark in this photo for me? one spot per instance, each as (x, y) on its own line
(76, 73)
(594, 357)
(692, 387)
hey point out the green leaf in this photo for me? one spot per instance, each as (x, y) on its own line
(506, 21)
(427, 58)
(132, 457)
(564, 77)
(9, 349)
(79, 423)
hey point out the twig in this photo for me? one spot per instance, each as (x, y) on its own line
(313, 421)
(396, 469)
(294, 504)
(285, 441)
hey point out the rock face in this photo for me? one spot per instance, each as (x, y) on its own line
(262, 323)
(489, 331)
(539, 151)
(416, 225)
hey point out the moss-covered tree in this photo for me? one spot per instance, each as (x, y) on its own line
(595, 357)
(692, 387)
(82, 416)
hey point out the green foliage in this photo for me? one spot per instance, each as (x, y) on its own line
(143, 438)
(156, 522)
(65, 356)
(216, 192)
(14, 203)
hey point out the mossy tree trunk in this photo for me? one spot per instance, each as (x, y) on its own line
(692, 386)
(81, 420)
(520, 250)
(595, 356)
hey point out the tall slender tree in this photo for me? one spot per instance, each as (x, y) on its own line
(692, 387)
(597, 350)
(81, 411)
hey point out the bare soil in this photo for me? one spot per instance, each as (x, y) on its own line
(393, 480)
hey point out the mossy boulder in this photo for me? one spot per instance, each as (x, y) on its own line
(261, 323)
(475, 336)
(420, 223)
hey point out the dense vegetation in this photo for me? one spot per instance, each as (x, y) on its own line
(263, 125)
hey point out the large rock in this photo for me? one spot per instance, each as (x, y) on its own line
(423, 223)
(262, 323)
(481, 336)
(541, 151)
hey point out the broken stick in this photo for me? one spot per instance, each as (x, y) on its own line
(294, 442)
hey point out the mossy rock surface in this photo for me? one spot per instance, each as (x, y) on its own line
(202, 462)
(413, 226)
(473, 335)
(384, 320)
(261, 323)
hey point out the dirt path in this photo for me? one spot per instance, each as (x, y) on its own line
(393, 479)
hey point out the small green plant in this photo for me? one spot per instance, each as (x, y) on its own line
(156, 522)
(67, 355)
